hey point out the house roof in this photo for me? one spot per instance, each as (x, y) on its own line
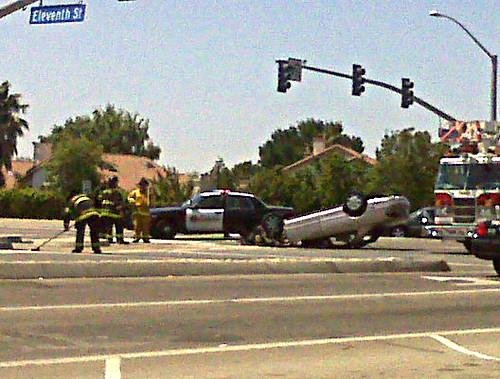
(131, 168)
(347, 152)
(19, 169)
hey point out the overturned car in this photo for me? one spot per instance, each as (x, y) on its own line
(356, 223)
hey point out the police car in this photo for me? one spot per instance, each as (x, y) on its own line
(218, 211)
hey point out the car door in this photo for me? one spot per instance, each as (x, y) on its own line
(239, 214)
(206, 216)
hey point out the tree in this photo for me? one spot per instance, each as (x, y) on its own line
(118, 131)
(407, 165)
(12, 126)
(170, 191)
(288, 146)
(339, 177)
(272, 186)
(74, 160)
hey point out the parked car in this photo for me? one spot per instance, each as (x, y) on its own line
(218, 211)
(485, 242)
(418, 224)
(354, 224)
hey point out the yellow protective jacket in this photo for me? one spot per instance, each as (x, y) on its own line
(140, 200)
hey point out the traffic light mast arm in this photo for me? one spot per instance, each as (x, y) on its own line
(15, 6)
(390, 87)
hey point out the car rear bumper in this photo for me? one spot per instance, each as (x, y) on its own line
(452, 232)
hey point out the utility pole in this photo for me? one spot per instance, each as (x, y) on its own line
(15, 6)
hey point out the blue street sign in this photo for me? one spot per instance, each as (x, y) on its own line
(55, 14)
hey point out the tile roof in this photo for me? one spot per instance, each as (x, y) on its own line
(19, 169)
(131, 168)
(347, 152)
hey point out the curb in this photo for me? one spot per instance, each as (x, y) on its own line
(107, 269)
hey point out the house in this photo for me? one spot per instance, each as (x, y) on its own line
(321, 151)
(129, 168)
(19, 169)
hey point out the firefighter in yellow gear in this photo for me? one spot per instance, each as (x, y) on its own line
(81, 209)
(141, 201)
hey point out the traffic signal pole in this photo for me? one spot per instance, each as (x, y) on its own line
(390, 87)
(15, 6)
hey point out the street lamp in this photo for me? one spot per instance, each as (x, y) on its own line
(494, 62)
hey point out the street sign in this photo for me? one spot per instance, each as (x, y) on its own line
(56, 14)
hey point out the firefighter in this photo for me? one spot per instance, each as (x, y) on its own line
(81, 209)
(141, 201)
(112, 206)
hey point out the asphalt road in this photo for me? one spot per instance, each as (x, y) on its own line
(292, 326)
(348, 325)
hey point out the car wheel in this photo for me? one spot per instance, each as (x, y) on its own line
(165, 230)
(496, 265)
(398, 231)
(355, 204)
(273, 225)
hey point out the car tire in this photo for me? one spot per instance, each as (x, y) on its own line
(273, 226)
(398, 231)
(496, 265)
(355, 204)
(164, 230)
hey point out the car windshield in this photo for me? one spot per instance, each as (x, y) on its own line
(192, 202)
(187, 203)
(468, 176)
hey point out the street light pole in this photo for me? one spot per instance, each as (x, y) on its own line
(494, 62)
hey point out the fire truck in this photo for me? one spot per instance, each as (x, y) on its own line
(467, 189)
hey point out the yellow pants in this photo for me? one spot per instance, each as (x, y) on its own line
(141, 225)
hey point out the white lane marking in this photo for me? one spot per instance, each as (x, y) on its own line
(233, 348)
(464, 280)
(469, 264)
(246, 300)
(452, 345)
(112, 368)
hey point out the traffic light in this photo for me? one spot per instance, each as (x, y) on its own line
(357, 79)
(406, 92)
(284, 72)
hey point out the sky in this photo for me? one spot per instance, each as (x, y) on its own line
(204, 72)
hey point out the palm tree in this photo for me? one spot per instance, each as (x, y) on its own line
(11, 126)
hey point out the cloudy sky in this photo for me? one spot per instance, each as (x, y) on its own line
(204, 72)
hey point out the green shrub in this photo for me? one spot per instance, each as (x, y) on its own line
(31, 203)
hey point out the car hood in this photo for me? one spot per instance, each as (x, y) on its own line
(156, 211)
